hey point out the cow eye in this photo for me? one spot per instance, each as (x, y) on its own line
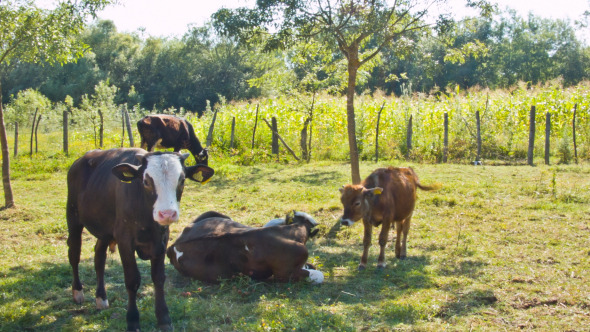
(181, 182)
(146, 183)
(357, 203)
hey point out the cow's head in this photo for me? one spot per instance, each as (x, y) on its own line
(162, 176)
(203, 157)
(305, 219)
(357, 201)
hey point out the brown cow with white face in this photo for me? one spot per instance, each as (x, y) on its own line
(386, 197)
(127, 197)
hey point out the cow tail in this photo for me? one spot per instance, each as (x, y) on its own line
(423, 187)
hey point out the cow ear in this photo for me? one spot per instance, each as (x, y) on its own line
(314, 232)
(373, 191)
(200, 173)
(126, 172)
(341, 189)
(184, 156)
(139, 156)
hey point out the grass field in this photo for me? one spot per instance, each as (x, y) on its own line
(497, 248)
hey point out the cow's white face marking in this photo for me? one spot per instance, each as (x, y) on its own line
(165, 170)
(178, 253)
(315, 276)
(247, 249)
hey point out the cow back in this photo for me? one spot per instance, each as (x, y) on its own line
(398, 197)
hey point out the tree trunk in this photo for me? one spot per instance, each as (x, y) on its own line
(8, 198)
(353, 65)
(303, 141)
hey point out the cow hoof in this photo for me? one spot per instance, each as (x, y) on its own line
(101, 304)
(361, 267)
(381, 267)
(78, 296)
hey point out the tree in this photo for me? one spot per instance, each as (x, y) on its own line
(358, 29)
(31, 34)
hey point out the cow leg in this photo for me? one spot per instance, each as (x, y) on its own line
(159, 277)
(366, 244)
(74, 248)
(383, 237)
(132, 282)
(405, 229)
(100, 257)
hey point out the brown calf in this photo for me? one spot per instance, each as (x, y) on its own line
(385, 197)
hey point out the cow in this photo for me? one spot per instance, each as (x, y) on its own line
(168, 131)
(386, 197)
(127, 197)
(215, 247)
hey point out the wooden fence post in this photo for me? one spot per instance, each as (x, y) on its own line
(478, 135)
(282, 141)
(547, 136)
(101, 128)
(255, 124)
(275, 139)
(233, 131)
(531, 136)
(15, 138)
(65, 131)
(574, 134)
(33, 132)
(446, 138)
(128, 124)
(37, 136)
(211, 128)
(409, 137)
(377, 134)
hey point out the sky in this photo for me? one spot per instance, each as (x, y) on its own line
(171, 18)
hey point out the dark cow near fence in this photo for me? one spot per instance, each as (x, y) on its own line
(386, 197)
(215, 247)
(127, 197)
(168, 131)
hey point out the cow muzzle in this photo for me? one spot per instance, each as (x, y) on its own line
(166, 217)
(346, 222)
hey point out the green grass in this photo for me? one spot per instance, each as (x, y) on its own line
(497, 248)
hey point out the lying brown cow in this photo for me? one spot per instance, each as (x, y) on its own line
(168, 131)
(385, 197)
(215, 247)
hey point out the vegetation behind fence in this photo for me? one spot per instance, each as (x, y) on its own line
(504, 125)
